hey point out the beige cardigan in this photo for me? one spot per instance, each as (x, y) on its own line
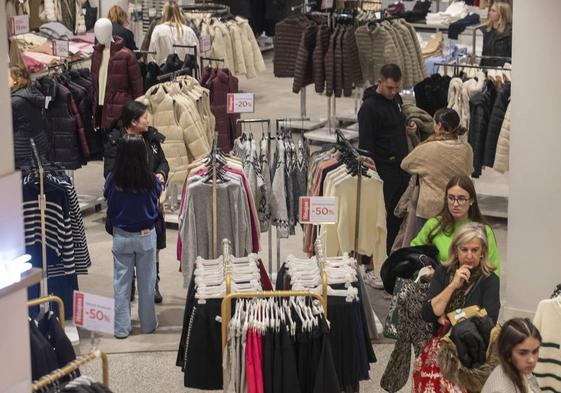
(436, 162)
(499, 382)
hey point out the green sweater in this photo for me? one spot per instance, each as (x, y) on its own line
(442, 241)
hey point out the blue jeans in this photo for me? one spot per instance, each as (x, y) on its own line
(130, 250)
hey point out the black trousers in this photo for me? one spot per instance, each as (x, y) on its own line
(395, 183)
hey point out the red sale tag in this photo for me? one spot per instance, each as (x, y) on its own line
(240, 103)
(93, 312)
(79, 309)
(318, 210)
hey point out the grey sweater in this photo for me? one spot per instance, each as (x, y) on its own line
(499, 382)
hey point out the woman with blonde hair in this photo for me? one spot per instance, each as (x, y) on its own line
(120, 21)
(171, 31)
(466, 279)
(497, 35)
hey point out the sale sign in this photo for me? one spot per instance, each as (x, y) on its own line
(19, 24)
(318, 210)
(93, 312)
(61, 48)
(240, 103)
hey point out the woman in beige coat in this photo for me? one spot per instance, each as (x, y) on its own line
(435, 161)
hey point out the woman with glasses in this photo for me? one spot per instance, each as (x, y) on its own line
(460, 208)
(436, 160)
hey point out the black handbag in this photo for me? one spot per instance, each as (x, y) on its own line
(90, 15)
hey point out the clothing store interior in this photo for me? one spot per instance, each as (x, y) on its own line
(293, 196)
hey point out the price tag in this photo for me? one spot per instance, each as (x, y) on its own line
(19, 24)
(93, 312)
(204, 43)
(61, 48)
(325, 4)
(240, 102)
(318, 210)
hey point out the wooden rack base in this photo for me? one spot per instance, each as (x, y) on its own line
(48, 299)
(73, 366)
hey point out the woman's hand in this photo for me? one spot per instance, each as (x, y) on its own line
(461, 276)
(411, 128)
(442, 320)
(160, 178)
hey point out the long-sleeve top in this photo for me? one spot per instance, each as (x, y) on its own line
(443, 240)
(500, 382)
(436, 162)
(165, 36)
(483, 293)
(548, 322)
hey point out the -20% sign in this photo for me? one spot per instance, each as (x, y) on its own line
(240, 103)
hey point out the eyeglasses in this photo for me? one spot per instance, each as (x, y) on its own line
(460, 199)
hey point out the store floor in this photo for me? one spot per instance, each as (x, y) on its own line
(146, 363)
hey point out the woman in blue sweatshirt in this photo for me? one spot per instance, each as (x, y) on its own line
(132, 193)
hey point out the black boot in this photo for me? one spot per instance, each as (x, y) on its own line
(157, 295)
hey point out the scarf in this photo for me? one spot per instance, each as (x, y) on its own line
(459, 296)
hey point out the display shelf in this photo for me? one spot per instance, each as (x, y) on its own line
(329, 136)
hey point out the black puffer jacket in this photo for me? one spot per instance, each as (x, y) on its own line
(495, 124)
(480, 111)
(62, 125)
(28, 106)
(497, 44)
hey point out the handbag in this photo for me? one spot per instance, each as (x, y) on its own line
(392, 320)
(427, 376)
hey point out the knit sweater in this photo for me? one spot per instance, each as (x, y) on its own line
(500, 382)
(436, 162)
(548, 322)
(443, 240)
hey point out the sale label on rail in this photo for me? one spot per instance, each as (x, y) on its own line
(318, 210)
(19, 24)
(240, 103)
(93, 312)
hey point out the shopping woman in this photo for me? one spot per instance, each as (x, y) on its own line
(120, 21)
(497, 35)
(519, 346)
(442, 156)
(460, 207)
(132, 192)
(466, 278)
(171, 31)
(134, 120)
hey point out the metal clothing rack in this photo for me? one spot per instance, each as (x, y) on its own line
(47, 300)
(270, 232)
(71, 368)
(210, 59)
(226, 307)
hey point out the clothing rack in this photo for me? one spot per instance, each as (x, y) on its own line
(172, 75)
(42, 207)
(71, 368)
(207, 8)
(209, 59)
(47, 300)
(456, 66)
(67, 63)
(270, 232)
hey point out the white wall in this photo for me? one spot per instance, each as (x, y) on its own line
(15, 366)
(534, 229)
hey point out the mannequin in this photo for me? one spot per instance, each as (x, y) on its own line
(103, 33)
(116, 75)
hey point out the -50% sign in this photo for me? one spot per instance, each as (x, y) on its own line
(318, 210)
(93, 312)
(240, 103)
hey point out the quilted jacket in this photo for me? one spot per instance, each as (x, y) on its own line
(503, 144)
(495, 125)
(124, 81)
(286, 39)
(480, 112)
(303, 69)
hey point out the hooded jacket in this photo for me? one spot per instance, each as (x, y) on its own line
(382, 128)
(124, 82)
(495, 124)
(28, 117)
(480, 112)
(69, 146)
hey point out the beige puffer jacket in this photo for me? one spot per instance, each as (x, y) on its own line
(222, 44)
(256, 56)
(190, 87)
(237, 48)
(503, 144)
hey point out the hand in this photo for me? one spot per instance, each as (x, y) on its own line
(160, 178)
(461, 276)
(442, 320)
(411, 128)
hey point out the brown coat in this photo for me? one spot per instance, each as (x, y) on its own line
(352, 73)
(287, 38)
(338, 88)
(322, 43)
(303, 70)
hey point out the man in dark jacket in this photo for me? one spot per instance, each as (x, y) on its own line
(159, 165)
(382, 132)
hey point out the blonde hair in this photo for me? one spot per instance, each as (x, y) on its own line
(171, 13)
(466, 233)
(20, 76)
(118, 15)
(505, 16)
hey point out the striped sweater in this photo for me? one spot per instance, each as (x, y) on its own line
(548, 321)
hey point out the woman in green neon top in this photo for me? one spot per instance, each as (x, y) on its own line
(460, 207)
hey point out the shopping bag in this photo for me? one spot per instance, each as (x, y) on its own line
(427, 377)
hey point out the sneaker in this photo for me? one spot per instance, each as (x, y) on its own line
(373, 280)
(157, 295)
